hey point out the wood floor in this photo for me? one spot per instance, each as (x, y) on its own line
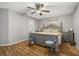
(23, 49)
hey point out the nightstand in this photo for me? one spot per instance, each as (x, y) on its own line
(68, 37)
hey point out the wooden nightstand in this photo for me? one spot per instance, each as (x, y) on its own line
(68, 37)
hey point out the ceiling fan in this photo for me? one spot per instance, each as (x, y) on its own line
(39, 8)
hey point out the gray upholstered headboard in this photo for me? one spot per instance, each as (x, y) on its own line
(54, 25)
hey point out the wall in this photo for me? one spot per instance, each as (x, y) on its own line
(66, 22)
(20, 26)
(15, 27)
(3, 26)
(76, 26)
(65, 19)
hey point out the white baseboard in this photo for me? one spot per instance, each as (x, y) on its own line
(13, 43)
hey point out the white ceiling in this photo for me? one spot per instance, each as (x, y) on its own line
(56, 8)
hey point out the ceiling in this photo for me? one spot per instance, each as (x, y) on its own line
(56, 8)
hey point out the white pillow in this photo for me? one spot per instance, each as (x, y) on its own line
(55, 30)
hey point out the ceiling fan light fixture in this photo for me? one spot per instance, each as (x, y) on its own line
(38, 11)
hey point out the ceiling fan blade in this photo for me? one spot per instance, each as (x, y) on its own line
(45, 10)
(25, 13)
(33, 12)
(31, 8)
(41, 5)
(37, 5)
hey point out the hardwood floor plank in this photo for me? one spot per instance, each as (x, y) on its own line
(23, 49)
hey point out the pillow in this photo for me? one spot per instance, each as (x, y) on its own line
(55, 30)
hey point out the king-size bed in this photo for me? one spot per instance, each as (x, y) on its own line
(49, 32)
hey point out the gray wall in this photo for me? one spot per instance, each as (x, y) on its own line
(76, 26)
(67, 22)
(65, 19)
(20, 26)
(3, 26)
(15, 27)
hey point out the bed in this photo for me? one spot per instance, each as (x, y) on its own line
(50, 32)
